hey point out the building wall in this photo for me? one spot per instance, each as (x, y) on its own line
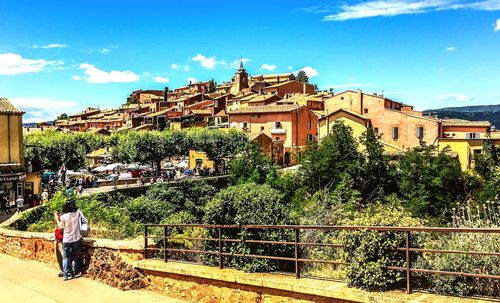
(461, 148)
(11, 127)
(460, 132)
(193, 155)
(357, 124)
(302, 119)
(290, 88)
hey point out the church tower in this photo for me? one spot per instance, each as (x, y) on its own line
(240, 80)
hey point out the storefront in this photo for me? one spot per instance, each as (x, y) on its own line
(12, 185)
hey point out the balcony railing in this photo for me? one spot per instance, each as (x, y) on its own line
(278, 131)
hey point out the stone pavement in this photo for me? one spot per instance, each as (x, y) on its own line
(32, 281)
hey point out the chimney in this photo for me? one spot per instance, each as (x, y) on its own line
(303, 88)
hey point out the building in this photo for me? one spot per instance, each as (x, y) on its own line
(465, 138)
(291, 127)
(12, 169)
(289, 87)
(396, 124)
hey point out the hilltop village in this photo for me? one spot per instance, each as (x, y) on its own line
(283, 113)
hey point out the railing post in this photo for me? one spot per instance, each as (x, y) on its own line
(408, 264)
(145, 241)
(221, 259)
(165, 244)
(297, 267)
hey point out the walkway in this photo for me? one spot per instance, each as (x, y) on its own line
(32, 281)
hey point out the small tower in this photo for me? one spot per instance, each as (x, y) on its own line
(240, 80)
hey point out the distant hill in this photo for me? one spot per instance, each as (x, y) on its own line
(474, 113)
(33, 124)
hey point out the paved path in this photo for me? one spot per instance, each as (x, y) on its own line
(35, 282)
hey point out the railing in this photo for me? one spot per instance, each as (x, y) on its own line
(296, 243)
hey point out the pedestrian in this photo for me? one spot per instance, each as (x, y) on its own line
(58, 238)
(70, 222)
(20, 204)
(80, 189)
(45, 197)
(3, 205)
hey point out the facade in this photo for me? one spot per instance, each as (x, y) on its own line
(289, 87)
(12, 169)
(291, 127)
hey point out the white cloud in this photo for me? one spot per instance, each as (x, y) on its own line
(378, 8)
(179, 66)
(206, 62)
(453, 98)
(96, 75)
(290, 67)
(450, 49)
(160, 79)
(310, 72)
(75, 77)
(13, 64)
(105, 51)
(192, 80)
(42, 109)
(497, 27)
(52, 45)
(269, 67)
(236, 63)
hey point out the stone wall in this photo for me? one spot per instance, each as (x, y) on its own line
(110, 262)
(202, 290)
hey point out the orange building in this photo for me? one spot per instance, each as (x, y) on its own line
(397, 124)
(291, 127)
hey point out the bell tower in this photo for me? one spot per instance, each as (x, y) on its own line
(240, 80)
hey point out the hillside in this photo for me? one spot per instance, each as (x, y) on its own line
(474, 113)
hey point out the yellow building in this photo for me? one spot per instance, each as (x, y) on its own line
(12, 174)
(199, 160)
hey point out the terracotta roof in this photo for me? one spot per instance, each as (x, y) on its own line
(253, 136)
(285, 83)
(347, 111)
(7, 108)
(265, 109)
(222, 113)
(201, 111)
(460, 122)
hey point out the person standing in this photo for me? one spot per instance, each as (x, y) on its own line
(45, 197)
(70, 223)
(58, 238)
(20, 204)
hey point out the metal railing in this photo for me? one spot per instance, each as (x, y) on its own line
(297, 244)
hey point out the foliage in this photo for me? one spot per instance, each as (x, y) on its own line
(249, 203)
(50, 149)
(212, 85)
(62, 116)
(370, 252)
(302, 77)
(250, 165)
(485, 216)
(430, 183)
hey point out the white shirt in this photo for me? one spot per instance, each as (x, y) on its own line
(70, 222)
(45, 196)
(20, 202)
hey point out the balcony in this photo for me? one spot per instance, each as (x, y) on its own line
(278, 131)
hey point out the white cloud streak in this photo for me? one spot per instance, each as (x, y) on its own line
(41, 109)
(269, 67)
(14, 64)
(96, 75)
(160, 79)
(450, 49)
(497, 27)
(386, 8)
(236, 63)
(52, 45)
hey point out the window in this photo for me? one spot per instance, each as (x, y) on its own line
(420, 132)
(309, 125)
(310, 138)
(277, 138)
(472, 136)
(477, 152)
(365, 110)
(244, 125)
(341, 98)
(277, 125)
(395, 133)
(376, 130)
(261, 128)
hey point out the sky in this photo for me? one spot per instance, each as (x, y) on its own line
(63, 56)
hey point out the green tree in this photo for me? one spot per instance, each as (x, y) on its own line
(62, 116)
(249, 165)
(430, 181)
(302, 77)
(211, 86)
(324, 164)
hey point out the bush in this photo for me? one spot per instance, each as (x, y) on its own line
(249, 204)
(370, 252)
(487, 215)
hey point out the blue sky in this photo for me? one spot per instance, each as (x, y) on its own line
(58, 56)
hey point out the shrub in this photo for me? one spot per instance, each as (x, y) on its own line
(370, 252)
(249, 204)
(487, 215)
